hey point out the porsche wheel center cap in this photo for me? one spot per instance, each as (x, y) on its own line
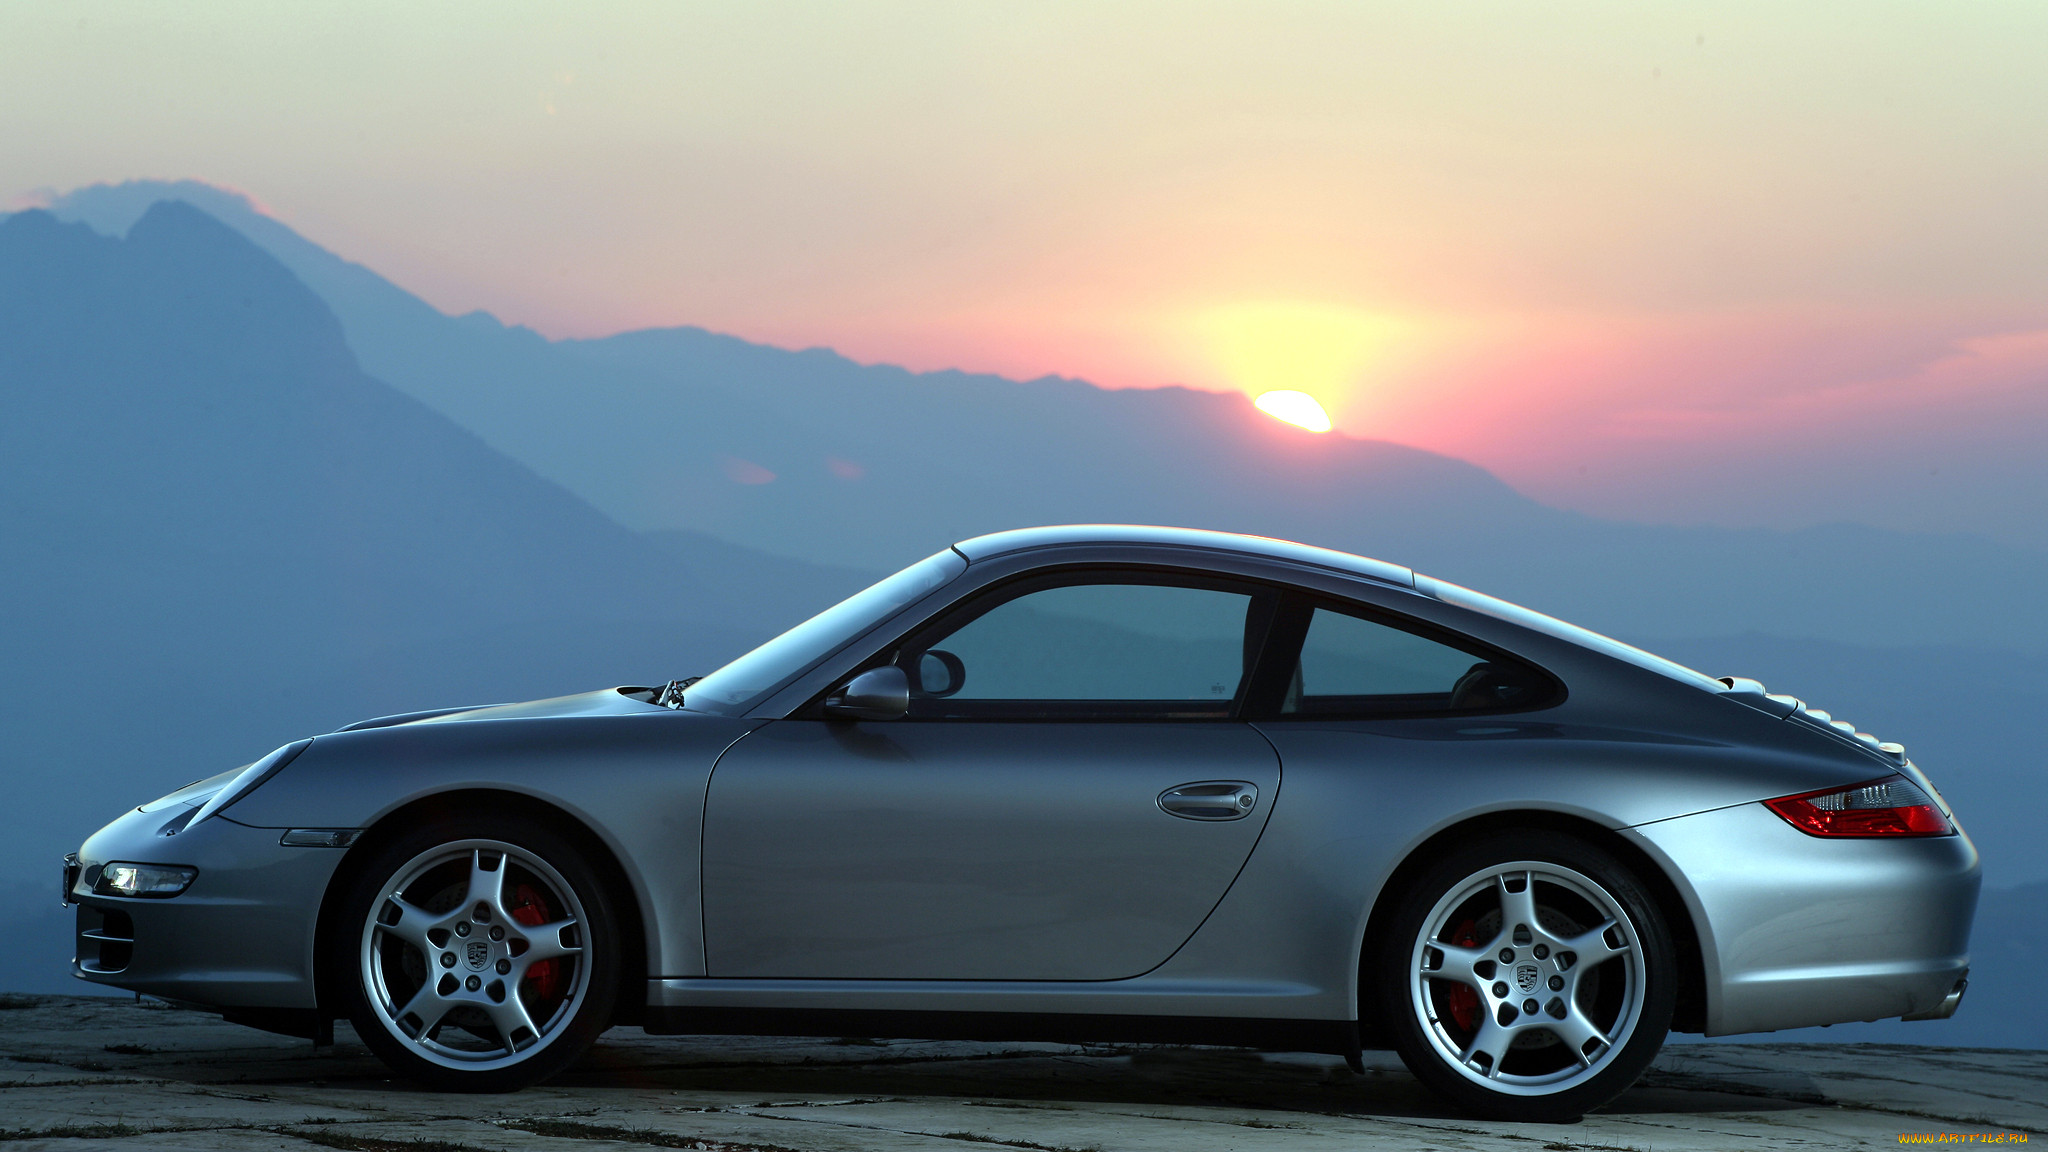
(1526, 976)
(478, 956)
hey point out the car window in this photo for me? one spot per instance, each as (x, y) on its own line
(1352, 665)
(1112, 649)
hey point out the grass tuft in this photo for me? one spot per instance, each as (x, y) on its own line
(571, 1130)
(71, 1132)
(328, 1138)
(977, 1138)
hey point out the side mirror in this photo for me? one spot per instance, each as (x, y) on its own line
(876, 694)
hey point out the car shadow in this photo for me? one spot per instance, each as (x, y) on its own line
(754, 1071)
(1125, 1075)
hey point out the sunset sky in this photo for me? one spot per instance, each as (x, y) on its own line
(1740, 263)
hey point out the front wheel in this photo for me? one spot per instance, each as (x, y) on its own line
(1528, 977)
(482, 954)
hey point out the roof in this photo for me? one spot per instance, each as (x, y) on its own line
(1022, 539)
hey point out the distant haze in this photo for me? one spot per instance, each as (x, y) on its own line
(227, 528)
(1740, 263)
(703, 441)
(500, 349)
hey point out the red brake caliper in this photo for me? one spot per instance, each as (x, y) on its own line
(530, 908)
(1462, 1000)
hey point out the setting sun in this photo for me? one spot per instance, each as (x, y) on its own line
(1289, 352)
(1295, 408)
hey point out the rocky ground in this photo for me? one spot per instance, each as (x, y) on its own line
(79, 1072)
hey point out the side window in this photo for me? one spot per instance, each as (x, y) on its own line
(1088, 650)
(1354, 666)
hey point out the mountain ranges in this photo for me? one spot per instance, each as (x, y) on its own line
(254, 491)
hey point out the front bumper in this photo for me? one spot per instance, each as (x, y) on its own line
(1797, 931)
(242, 936)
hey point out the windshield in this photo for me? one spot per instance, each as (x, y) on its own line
(741, 684)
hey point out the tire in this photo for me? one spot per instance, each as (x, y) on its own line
(478, 954)
(1527, 977)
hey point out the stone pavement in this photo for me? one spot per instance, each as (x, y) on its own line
(85, 1072)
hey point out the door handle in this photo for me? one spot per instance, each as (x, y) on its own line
(1210, 800)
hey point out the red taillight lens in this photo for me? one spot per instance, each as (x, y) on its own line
(1893, 806)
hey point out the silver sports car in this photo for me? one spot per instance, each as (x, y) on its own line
(1084, 783)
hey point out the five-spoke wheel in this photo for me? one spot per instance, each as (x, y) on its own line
(1528, 977)
(483, 954)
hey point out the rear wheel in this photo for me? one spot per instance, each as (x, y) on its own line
(482, 954)
(1529, 977)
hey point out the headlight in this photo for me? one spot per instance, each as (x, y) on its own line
(249, 778)
(155, 881)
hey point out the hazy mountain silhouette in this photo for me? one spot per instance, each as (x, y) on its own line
(809, 454)
(873, 466)
(222, 535)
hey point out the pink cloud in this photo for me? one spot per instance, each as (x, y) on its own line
(33, 198)
(744, 471)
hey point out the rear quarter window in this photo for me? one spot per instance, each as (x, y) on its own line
(1355, 665)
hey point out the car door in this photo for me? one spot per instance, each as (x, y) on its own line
(1070, 795)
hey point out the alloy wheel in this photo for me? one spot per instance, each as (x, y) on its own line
(473, 955)
(1527, 977)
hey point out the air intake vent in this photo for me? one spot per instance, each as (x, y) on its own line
(106, 939)
(1750, 692)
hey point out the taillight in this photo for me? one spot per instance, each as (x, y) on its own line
(1893, 806)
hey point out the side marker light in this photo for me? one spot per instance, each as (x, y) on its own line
(319, 837)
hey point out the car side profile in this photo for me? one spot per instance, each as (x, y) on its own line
(1077, 783)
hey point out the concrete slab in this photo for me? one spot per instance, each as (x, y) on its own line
(89, 1073)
